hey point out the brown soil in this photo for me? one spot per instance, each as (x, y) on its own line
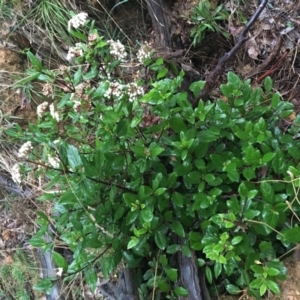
(13, 103)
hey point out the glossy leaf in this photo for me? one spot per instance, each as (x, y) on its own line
(233, 289)
(74, 158)
(292, 235)
(160, 240)
(177, 228)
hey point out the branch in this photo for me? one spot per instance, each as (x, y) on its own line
(220, 68)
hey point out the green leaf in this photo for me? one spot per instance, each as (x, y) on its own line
(92, 73)
(267, 157)
(136, 120)
(59, 261)
(267, 192)
(217, 160)
(257, 269)
(252, 155)
(209, 178)
(273, 286)
(164, 286)
(236, 240)
(160, 240)
(243, 190)
(233, 175)
(196, 87)
(45, 285)
(251, 214)
(177, 124)
(155, 150)
(29, 78)
(292, 235)
(278, 162)
(133, 242)
(172, 274)
(77, 76)
(74, 158)
(146, 214)
(119, 213)
(233, 289)
(263, 289)
(91, 278)
(268, 84)
(217, 269)
(249, 173)
(207, 136)
(256, 283)
(273, 272)
(180, 291)
(36, 63)
(177, 199)
(100, 91)
(275, 100)
(270, 216)
(78, 35)
(37, 242)
(162, 73)
(172, 249)
(234, 80)
(160, 191)
(208, 274)
(177, 228)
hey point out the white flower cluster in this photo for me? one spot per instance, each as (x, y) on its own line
(77, 20)
(47, 89)
(25, 149)
(16, 173)
(74, 52)
(42, 108)
(54, 113)
(115, 89)
(77, 105)
(117, 50)
(53, 161)
(144, 53)
(104, 73)
(133, 90)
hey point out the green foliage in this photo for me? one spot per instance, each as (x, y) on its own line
(206, 18)
(136, 173)
(16, 276)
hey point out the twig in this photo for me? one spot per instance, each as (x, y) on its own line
(220, 68)
(274, 68)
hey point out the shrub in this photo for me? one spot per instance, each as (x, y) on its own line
(135, 174)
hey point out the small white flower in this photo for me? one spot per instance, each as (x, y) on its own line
(115, 89)
(117, 50)
(25, 149)
(42, 108)
(16, 174)
(133, 91)
(59, 272)
(74, 52)
(54, 113)
(77, 105)
(77, 20)
(53, 161)
(144, 53)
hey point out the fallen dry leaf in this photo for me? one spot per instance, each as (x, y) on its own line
(253, 48)
(6, 234)
(8, 260)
